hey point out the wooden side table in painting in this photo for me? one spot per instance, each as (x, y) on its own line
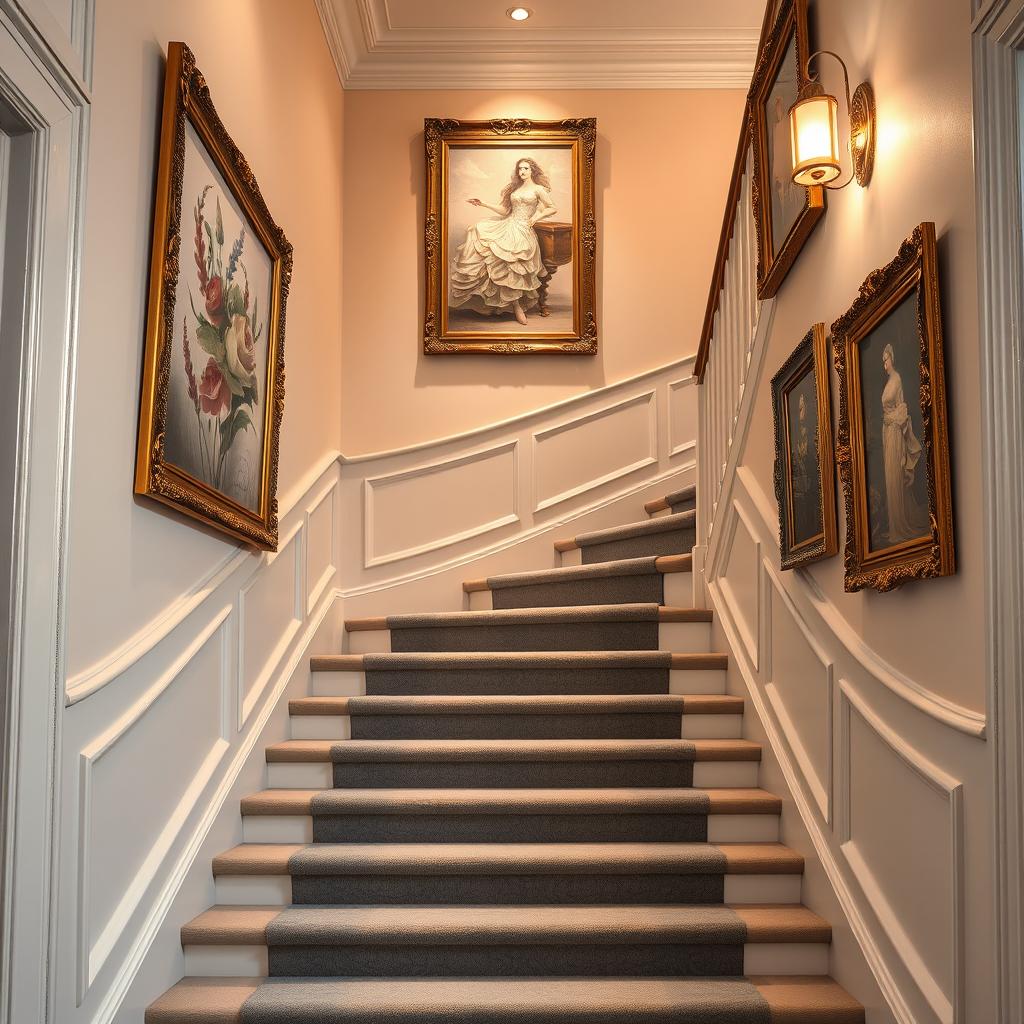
(555, 251)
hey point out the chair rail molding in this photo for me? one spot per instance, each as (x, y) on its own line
(45, 98)
(998, 44)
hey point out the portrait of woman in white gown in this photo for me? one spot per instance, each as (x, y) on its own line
(498, 267)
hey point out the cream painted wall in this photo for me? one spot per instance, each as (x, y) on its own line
(663, 161)
(276, 88)
(932, 631)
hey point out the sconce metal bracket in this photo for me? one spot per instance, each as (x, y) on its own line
(862, 127)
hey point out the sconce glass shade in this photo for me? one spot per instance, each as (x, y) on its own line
(814, 126)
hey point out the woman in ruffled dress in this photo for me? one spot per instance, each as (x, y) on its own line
(498, 267)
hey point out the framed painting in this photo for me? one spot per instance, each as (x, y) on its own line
(893, 449)
(510, 237)
(784, 213)
(805, 479)
(213, 371)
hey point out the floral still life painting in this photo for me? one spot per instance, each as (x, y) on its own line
(213, 389)
(510, 236)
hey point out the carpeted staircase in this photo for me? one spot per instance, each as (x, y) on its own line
(536, 811)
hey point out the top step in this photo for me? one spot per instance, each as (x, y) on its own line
(666, 535)
(678, 501)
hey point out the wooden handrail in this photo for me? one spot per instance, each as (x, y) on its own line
(724, 241)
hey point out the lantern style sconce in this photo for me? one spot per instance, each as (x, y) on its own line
(814, 127)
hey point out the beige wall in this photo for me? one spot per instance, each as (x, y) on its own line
(277, 91)
(933, 631)
(663, 161)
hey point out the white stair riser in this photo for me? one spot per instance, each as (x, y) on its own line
(339, 727)
(480, 601)
(683, 681)
(782, 958)
(276, 890)
(722, 828)
(318, 775)
(572, 557)
(679, 589)
(678, 637)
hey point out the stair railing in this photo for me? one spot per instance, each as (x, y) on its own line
(726, 342)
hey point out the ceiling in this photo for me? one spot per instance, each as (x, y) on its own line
(566, 44)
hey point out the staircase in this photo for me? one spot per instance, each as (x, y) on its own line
(536, 811)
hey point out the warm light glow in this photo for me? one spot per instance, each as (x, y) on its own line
(519, 13)
(815, 136)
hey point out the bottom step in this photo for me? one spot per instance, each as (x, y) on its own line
(755, 1000)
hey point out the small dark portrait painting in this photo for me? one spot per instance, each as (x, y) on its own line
(804, 467)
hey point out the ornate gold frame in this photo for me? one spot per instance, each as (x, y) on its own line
(913, 269)
(810, 355)
(441, 133)
(772, 266)
(187, 96)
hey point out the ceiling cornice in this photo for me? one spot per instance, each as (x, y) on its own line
(371, 54)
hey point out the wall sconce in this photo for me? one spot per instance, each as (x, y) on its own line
(813, 122)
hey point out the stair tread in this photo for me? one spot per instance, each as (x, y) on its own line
(512, 801)
(391, 751)
(445, 661)
(791, 1000)
(647, 565)
(678, 497)
(539, 704)
(641, 612)
(512, 858)
(641, 528)
(230, 925)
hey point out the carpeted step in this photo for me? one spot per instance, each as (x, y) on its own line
(517, 672)
(682, 500)
(665, 535)
(523, 815)
(662, 580)
(365, 764)
(636, 716)
(529, 941)
(615, 627)
(513, 873)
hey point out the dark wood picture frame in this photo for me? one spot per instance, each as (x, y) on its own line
(809, 360)
(576, 245)
(773, 264)
(912, 275)
(187, 100)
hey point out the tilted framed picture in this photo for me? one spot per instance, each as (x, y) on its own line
(213, 371)
(805, 477)
(784, 213)
(510, 237)
(893, 448)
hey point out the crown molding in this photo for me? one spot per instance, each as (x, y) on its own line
(369, 53)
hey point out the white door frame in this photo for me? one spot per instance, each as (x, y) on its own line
(46, 105)
(998, 43)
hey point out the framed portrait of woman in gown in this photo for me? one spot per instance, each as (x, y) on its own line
(805, 479)
(510, 236)
(785, 213)
(893, 448)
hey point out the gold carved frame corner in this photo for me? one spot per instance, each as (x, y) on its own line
(581, 135)
(187, 99)
(914, 269)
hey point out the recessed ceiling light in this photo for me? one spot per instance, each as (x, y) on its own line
(519, 13)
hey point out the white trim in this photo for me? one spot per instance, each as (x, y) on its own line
(90, 959)
(370, 53)
(315, 590)
(371, 559)
(521, 419)
(964, 720)
(997, 43)
(951, 790)
(684, 446)
(651, 459)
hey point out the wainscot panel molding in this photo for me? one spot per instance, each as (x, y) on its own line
(168, 725)
(791, 645)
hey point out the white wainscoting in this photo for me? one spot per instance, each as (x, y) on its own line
(460, 505)
(878, 765)
(157, 734)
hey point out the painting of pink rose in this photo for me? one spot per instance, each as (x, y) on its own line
(216, 411)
